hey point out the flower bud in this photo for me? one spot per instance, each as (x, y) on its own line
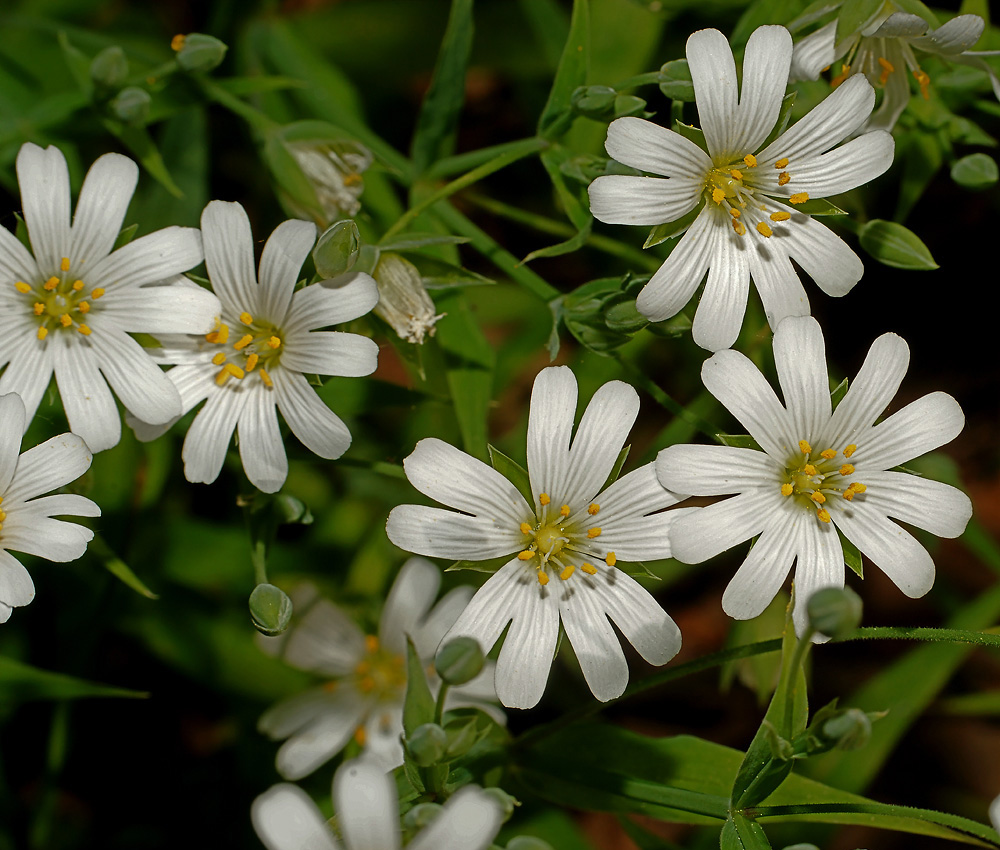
(198, 52)
(403, 300)
(459, 661)
(337, 249)
(109, 68)
(850, 729)
(420, 816)
(506, 801)
(801, 847)
(334, 169)
(270, 609)
(597, 102)
(528, 842)
(834, 611)
(131, 105)
(427, 744)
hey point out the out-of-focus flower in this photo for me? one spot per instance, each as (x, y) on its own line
(334, 169)
(403, 302)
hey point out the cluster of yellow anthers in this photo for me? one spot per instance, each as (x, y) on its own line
(60, 301)
(257, 347)
(813, 480)
(922, 77)
(550, 537)
(380, 670)
(729, 186)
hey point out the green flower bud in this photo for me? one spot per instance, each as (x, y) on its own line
(403, 302)
(801, 847)
(270, 609)
(850, 728)
(337, 249)
(131, 105)
(459, 661)
(427, 744)
(597, 102)
(109, 68)
(834, 611)
(625, 318)
(290, 510)
(506, 801)
(528, 842)
(198, 52)
(629, 104)
(420, 816)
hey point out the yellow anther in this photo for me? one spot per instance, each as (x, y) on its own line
(809, 469)
(736, 175)
(43, 332)
(739, 228)
(525, 528)
(251, 361)
(849, 494)
(3, 515)
(566, 573)
(611, 559)
(64, 265)
(221, 377)
(273, 342)
(243, 342)
(750, 160)
(589, 569)
(371, 643)
(924, 80)
(858, 487)
(823, 514)
(234, 370)
(246, 318)
(21, 286)
(220, 336)
(593, 509)
(367, 684)
(83, 329)
(844, 71)
(786, 489)
(50, 284)
(219, 359)
(543, 578)
(83, 306)
(65, 320)
(887, 68)
(594, 532)
(799, 198)
(360, 735)
(351, 179)
(851, 449)
(38, 307)
(265, 378)
(783, 178)
(97, 293)
(818, 497)
(763, 229)
(781, 163)
(804, 447)
(735, 213)
(718, 195)
(177, 42)
(847, 469)
(780, 216)
(77, 285)
(543, 499)
(564, 510)
(525, 555)
(829, 454)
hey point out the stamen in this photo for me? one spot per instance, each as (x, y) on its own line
(739, 228)
(525, 555)
(64, 265)
(177, 42)
(786, 489)
(847, 469)
(251, 361)
(783, 178)
(360, 735)
(84, 330)
(589, 569)
(566, 573)
(222, 377)
(823, 514)
(799, 198)
(97, 293)
(611, 559)
(781, 163)
(525, 528)
(829, 454)
(809, 469)
(65, 320)
(750, 160)
(77, 285)
(851, 449)
(736, 175)
(38, 307)
(844, 71)
(593, 509)
(887, 68)
(781, 216)
(219, 359)
(804, 447)
(564, 510)
(543, 499)
(594, 532)
(265, 378)
(50, 284)
(543, 578)
(849, 494)
(243, 342)
(858, 487)
(718, 195)
(924, 80)
(367, 684)
(21, 286)
(764, 230)
(371, 643)
(818, 497)
(43, 332)
(220, 336)
(234, 370)
(83, 306)
(735, 213)
(274, 342)
(246, 318)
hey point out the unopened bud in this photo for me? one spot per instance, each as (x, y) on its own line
(290, 510)
(506, 801)
(801, 847)
(629, 104)
(131, 105)
(459, 661)
(834, 611)
(528, 842)
(851, 729)
(270, 609)
(197, 51)
(109, 67)
(334, 169)
(624, 317)
(427, 744)
(403, 300)
(420, 816)
(596, 102)
(337, 249)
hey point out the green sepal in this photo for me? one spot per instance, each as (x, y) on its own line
(852, 555)
(692, 134)
(512, 471)
(738, 441)
(837, 393)
(125, 235)
(817, 207)
(418, 705)
(670, 229)
(855, 15)
(976, 171)
(675, 81)
(894, 245)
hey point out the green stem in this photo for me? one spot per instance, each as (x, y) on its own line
(465, 161)
(802, 646)
(645, 79)
(439, 705)
(253, 116)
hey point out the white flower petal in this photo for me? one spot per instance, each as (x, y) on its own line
(409, 600)
(895, 92)
(713, 72)
(939, 508)
(814, 53)
(298, 711)
(823, 255)
(622, 199)
(649, 147)
(148, 259)
(428, 633)
(765, 77)
(332, 302)
(44, 180)
(262, 450)
(383, 730)
(636, 538)
(5, 612)
(470, 820)
(317, 427)
(487, 615)
(923, 425)
(636, 494)
(846, 167)
(703, 534)
(52, 539)
(16, 587)
(953, 37)
(64, 504)
(719, 316)
(594, 642)
(673, 284)
(820, 564)
(777, 282)
(765, 568)
(285, 818)
(800, 360)
(366, 801)
(318, 742)
(331, 353)
(209, 436)
(714, 470)
(229, 255)
(164, 309)
(139, 383)
(550, 426)
(12, 424)
(16, 262)
(100, 210)
(902, 25)
(869, 394)
(48, 466)
(734, 380)
(28, 374)
(90, 408)
(280, 263)
(438, 533)
(322, 639)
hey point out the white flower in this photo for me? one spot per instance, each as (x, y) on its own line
(70, 308)
(883, 52)
(567, 542)
(367, 673)
(26, 521)
(820, 471)
(286, 818)
(252, 363)
(748, 225)
(995, 813)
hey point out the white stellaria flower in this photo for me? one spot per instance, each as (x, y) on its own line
(365, 799)
(820, 471)
(27, 521)
(567, 542)
(883, 51)
(363, 697)
(251, 364)
(69, 307)
(995, 813)
(747, 188)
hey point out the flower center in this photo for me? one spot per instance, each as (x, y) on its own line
(251, 346)
(59, 302)
(812, 480)
(380, 673)
(742, 193)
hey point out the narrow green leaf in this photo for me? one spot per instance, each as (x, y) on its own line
(784, 116)
(21, 682)
(512, 471)
(616, 470)
(412, 240)
(668, 230)
(813, 12)
(739, 441)
(692, 133)
(557, 116)
(118, 568)
(985, 704)
(138, 140)
(855, 15)
(245, 86)
(125, 235)
(742, 833)
(567, 246)
(838, 393)
(975, 171)
(852, 555)
(922, 156)
(550, 24)
(894, 245)
(418, 706)
(434, 136)
(78, 63)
